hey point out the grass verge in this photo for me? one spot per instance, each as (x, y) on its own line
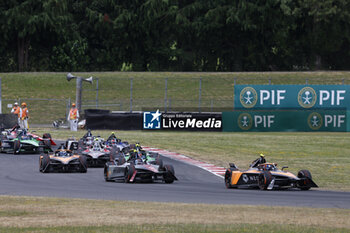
(326, 155)
(78, 215)
(148, 89)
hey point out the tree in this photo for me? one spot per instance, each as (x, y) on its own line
(23, 20)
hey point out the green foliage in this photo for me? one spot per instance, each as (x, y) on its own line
(70, 56)
(215, 35)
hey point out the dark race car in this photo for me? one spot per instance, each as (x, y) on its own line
(96, 154)
(63, 160)
(267, 176)
(20, 141)
(113, 141)
(135, 169)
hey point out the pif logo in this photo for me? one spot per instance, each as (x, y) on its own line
(315, 121)
(152, 120)
(245, 121)
(248, 97)
(307, 97)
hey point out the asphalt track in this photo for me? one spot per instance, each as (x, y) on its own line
(19, 175)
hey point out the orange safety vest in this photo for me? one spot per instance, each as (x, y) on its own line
(24, 113)
(17, 111)
(73, 114)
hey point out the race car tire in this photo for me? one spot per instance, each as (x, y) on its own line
(264, 180)
(16, 146)
(46, 135)
(83, 164)
(228, 177)
(45, 161)
(169, 174)
(41, 163)
(105, 173)
(159, 162)
(305, 183)
(129, 171)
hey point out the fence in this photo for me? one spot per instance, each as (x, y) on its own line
(206, 94)
(181, 94)
(177, 94)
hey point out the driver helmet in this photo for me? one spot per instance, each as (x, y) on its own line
(269, 167)
(138, 161)
(62, 153)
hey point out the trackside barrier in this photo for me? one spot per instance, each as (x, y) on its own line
(7, 120)
(286, 120)
(292, 97)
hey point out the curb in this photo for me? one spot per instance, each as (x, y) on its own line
(218, 171)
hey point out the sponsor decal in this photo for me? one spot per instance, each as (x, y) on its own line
(152, 120)
(245, 121)
(307, 97)
(245, 178)
(181, 121)
(248, 97)
(292, 97)
(315, 121)
(286, 120)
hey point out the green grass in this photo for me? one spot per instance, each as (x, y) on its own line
(167, 228)
(80, 215)
(326, 155)
(148, 89)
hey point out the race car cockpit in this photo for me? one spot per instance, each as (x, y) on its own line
(63, 153)
(267, 167)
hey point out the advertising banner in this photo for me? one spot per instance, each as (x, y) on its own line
(190, 121)
(285, 120)
(292, 96)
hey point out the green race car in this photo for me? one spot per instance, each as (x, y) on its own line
(19, 141)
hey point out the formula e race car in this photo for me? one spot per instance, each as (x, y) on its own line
(135, 169)
(63, 160)
(20, 141)
(97, 154)
(267, 176)
(146, 156)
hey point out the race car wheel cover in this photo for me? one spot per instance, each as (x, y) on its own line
(16, 146)
(159, 162)
(129, 171)
(228, 177)
(83, 164)
(169, 175)
(264, 180)
(45, 161)
(105, 173)
(305, 183)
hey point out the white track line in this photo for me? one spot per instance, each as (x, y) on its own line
(218, 171)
